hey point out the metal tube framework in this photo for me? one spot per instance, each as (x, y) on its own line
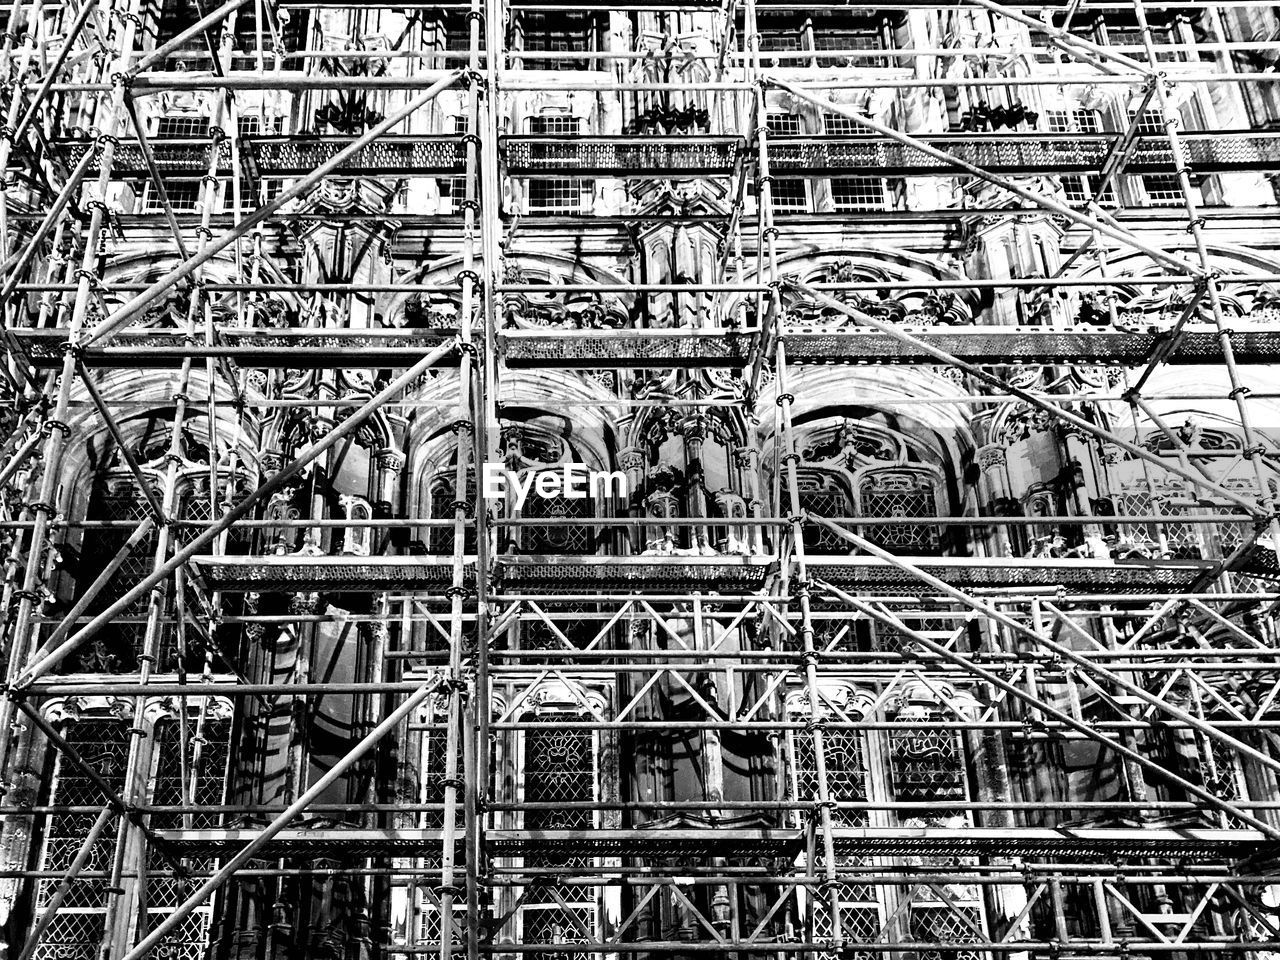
(835, 653)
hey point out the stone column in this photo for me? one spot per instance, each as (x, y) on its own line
(631, 459)
(747, 460)
(694, 430)
(993, 460)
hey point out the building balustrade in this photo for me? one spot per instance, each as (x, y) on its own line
(1030, 152)
(556, 348)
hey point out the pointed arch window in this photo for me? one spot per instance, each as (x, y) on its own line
(847, 771)
(442, 498)
(824, 494)
(560, 535)
(926, 763)
(119, 499)
(101, 734)
(849, 760)
(560, 766)
(901, 492)
(77, 929)
(116, 647)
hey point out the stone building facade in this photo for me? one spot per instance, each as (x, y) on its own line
(685, 742)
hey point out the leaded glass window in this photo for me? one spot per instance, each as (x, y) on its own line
(926, 764)
(103, 742)
(846, 772)
(942, 924)
(559, 767)
(890, 493)
(432, 760)
(442, 500)
(823, 495)
(861, 914)
(77, 930)
(560, 535)
(202, 755)
(1181, 539)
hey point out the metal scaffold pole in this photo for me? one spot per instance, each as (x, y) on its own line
(693, 478)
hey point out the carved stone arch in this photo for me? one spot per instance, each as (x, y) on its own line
(727, 425)
(90, 449)
(921, 303)
(820, 389)
(1144, 305)
(843, 438)
(853, 700)
(935, 694)
(1212, 429)
(213, 707)
(1016, 420)
(1219, 414)
(440, 308)
(430, 440)
(277, 308)
(564, 695)
(70, 709)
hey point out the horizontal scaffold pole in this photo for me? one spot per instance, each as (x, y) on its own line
(175, 919)
(162, 286)
(889, 620)
(1087, 665)
(348, 426)
(1029, 397)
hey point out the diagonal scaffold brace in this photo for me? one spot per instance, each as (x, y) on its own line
(886, 618)
(43, 665)
(1065, 652)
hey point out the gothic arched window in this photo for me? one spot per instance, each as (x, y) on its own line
(118, 499)
(101, 735)
(823, 494)
(560, 535)
(926, 763)
(442, 497)
(103, 741)
(906, 492)
(847, 773)
(560, 766)
(117, 645)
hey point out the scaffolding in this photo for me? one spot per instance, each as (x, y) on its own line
(281, 679)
